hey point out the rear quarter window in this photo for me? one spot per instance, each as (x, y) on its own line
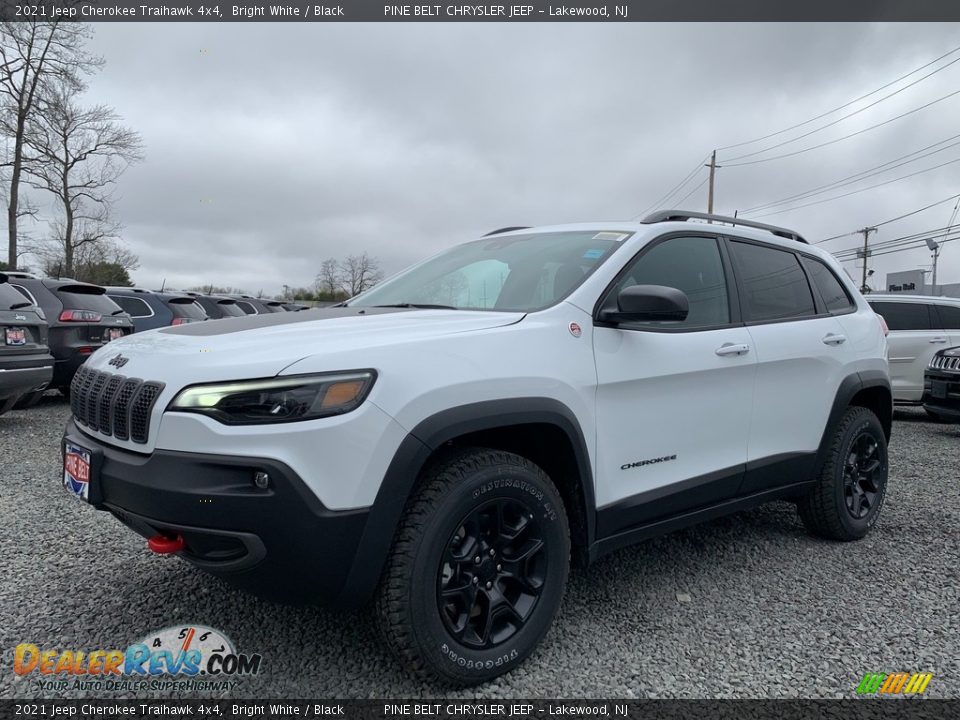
(832, 291)
(246, 307)
(949, 316)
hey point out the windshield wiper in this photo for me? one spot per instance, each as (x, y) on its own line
(117, 312)
(418, 306)
(17, 306)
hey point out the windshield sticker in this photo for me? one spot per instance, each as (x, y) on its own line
(593, 254)
(615, 236)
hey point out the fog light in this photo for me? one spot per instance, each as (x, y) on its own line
(261, 480)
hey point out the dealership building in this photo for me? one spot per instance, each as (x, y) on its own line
(914, 283)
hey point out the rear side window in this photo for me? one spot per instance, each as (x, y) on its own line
(834, 295)
(187, 308)
(949, 317)
(246, 307)
(773, 286)
(133, 305)
(904, 316)
(79, 298)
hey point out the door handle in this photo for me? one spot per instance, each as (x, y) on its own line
(833, 339)
(731, 349)
(938, 340)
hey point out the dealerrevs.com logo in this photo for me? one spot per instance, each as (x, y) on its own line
(191, 657)
(900, 683)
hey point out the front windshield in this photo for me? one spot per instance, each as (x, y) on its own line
(519, 273)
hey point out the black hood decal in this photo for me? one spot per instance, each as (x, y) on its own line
(225, 326)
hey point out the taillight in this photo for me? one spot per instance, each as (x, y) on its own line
(883, 325)
(181, 321)
(80, 316)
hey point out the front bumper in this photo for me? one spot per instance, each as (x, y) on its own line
(280, 543)
(941, 394)
(21, 375)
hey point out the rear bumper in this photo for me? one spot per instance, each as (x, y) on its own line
(280, 543)
(21, 375)
(941, 394)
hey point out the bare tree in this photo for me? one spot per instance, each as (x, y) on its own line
(330, 278)
(77, 154)
(361, 272)
(32, 55)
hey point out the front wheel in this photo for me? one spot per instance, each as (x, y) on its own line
(477, 570)
(852, 479)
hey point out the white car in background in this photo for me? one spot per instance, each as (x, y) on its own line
(920, 326)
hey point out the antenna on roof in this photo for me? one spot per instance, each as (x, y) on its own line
(163, 284)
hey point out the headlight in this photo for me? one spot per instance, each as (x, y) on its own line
(277, 400)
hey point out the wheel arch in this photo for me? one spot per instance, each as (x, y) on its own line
(543, 430)
(869, 389)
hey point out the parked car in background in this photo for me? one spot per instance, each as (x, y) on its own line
(13, 274)
(26, 365)
(920, 325)
(151, 309)
(217, 306)
(941, 385)
(258, 306)
(81, 319)
(294, 307)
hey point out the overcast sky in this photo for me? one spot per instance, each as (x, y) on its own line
(272, 146)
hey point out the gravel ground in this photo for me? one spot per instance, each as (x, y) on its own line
(748, 606)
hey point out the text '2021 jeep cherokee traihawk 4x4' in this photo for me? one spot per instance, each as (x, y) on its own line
(445, 441)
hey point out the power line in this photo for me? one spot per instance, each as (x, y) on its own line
(841, 107)
(893, 242)
(845, 117)
(847, 137)
(893, 220)
(857, 177)
(684, 198)
(854, 192)
(674, 190)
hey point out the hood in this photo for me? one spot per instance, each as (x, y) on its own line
(263, 345)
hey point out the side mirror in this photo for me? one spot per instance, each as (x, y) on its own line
(648, 303)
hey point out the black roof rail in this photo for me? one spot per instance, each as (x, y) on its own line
(683, 215)
(507, 229)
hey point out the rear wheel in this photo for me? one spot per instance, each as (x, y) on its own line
(477, 570)
(852, 480)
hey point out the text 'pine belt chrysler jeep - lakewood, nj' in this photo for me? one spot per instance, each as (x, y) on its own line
(448, 442)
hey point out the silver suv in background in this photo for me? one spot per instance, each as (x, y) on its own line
(920, 325)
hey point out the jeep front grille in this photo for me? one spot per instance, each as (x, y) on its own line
(942, 362)
(113, 404)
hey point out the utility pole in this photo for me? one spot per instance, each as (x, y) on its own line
(865, 253)
(935, 252)
(713, 171)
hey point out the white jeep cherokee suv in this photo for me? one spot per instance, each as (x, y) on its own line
(447, 442)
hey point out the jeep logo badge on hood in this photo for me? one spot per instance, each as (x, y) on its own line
(118, 361)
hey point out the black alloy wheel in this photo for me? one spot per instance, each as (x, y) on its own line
(491, 573)
(860, 475)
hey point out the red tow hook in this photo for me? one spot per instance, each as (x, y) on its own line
(163, 545)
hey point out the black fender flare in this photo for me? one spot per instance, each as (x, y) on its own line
(414, 452)
(849, 387)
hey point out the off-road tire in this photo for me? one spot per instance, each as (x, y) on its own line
(825, 510)
(407, 607)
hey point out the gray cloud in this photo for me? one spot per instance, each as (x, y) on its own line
(272, 146)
